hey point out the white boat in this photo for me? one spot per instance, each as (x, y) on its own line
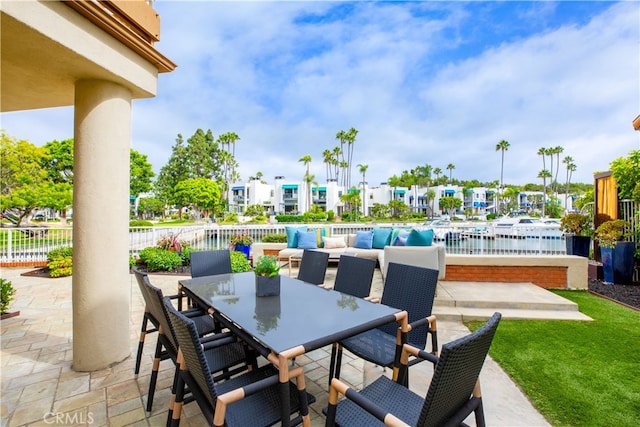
(526, 228)
(444, 230)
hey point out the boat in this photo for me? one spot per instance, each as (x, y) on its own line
(526, 228)
(444, 230)
(479, 232)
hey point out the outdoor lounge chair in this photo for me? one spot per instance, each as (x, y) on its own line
(224, 354)
(313, 266)
(407, 288)
(453, 394)
(250, 399)
(354, 275)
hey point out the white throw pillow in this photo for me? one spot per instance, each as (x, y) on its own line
(333, 242)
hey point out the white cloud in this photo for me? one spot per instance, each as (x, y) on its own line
(423, 82)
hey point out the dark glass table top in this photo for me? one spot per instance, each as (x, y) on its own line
(302, 315)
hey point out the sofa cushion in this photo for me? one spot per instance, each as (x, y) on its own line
(394, 235)
(333, 242)
(307, 240)
(292, 235)
(420, 238)
(401, 239)
(421, 256)
(320, 233)
(364, 240)
(381, 237)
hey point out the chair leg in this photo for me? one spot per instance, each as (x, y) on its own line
(174, 385)
(154, 375)
(173, 418)
(143, 334)
(336, 362)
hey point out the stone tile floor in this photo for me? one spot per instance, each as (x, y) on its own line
(39, 387)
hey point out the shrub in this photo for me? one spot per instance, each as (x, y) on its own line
(289, 218)
(274, 238)
(61, 266)
(186, 255)
(239, 262)
(59, 253)
(60, 262)
(157, 259)
(7, 295)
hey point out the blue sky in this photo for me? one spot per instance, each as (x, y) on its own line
(423, 82)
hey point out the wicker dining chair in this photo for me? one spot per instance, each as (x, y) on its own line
(313, 266)
(225, 355)
(208, 263)
(453, 394)
(150, 322)
(252, 398)
(354, 276)
(406, 287)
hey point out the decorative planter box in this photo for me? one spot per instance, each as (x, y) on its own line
(267, 286)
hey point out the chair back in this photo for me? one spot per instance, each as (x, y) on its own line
(354, 276)
(208, 263)
(194, 358)
(313, 266)
(455, 375)
(410, 288)
(141, 278)
(153, 298)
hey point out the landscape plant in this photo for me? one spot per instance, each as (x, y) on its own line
(240, 239)
(7, 295)
(571, 381)
(239, 262)
(611, 232)
(576, 224)
(274, 238)
(157, 259)
(60, 262)
(267, 265)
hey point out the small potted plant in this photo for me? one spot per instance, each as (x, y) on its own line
(578, 230)
(267, 271)
(241, 242)
(617, 255)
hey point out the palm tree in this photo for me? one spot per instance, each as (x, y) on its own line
(327, 155)
(342, 136)
(557, 151)
(335, 161)
(571, 167)
(350, 139)
(544, 174)
(363, 171)
(450, 168)
(502, 146)
(438, 172)
(308, 179)
(306, 159)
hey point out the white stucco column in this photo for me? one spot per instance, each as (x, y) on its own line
(101, 282)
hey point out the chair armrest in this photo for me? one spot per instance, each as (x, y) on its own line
(372, 299)
(408, 349)
(338, 387)
(428, 321)
(217, 340)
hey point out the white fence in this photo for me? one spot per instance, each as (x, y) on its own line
(33, 244)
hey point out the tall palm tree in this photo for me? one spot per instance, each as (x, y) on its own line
(438, 172)
(350, 139)
(308, 179)
(306, 159)
(363, 170)
(335, 161)
(327, 155)
(450, 168)
(502, 146)
(571, 167)
(544, 174)
(557, 151)
(342, 137)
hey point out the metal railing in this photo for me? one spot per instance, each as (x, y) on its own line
(32, 244)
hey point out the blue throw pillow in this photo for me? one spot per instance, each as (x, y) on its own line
(420, 238)
(292, 235)
(401, 240)
(364, 240)
(381, 237)
(395, 233)
(307, 240)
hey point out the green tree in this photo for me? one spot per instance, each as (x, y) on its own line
(399, 209)
(450, 204)
(306, 160)
(200, 193)
(544, 174)
(58, 160)
(352, 199)
(437, 172)
(363, 170)
(380, 211)
(626, 172)
(176, 170)
(141, 173)
(150, 206)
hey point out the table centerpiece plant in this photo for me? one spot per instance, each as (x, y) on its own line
(267, 271)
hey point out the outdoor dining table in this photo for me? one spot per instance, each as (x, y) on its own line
(304, 317)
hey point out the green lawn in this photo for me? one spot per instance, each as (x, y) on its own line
(576, 373)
